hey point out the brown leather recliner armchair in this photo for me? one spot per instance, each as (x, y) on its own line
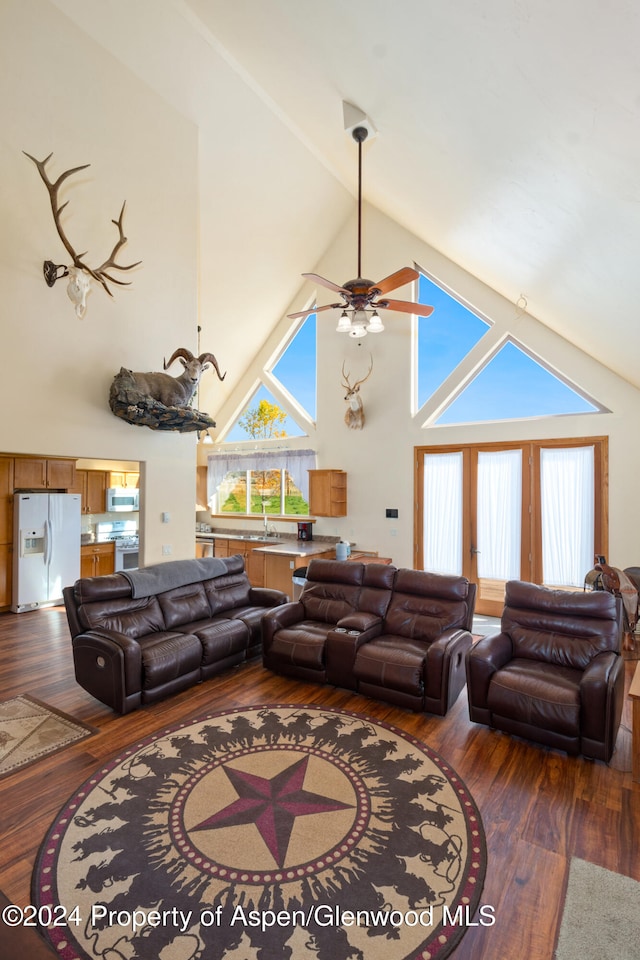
(554, 673)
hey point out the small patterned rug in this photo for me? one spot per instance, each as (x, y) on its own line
(31, 730)
(270, 831)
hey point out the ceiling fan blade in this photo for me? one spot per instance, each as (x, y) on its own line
(402, 306)
(397, 279)
(325, 283)
(307, 313)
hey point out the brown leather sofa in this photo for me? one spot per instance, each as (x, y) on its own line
(135, 642)
(392, 634)
(554, 673)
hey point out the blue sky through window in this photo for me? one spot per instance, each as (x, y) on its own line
(296, 368)
(511, 386)
(444, 338)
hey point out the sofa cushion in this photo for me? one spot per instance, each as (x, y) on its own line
(167, 656)
(423, 617)
(135, 618)
(302, 645)
(219, 638)
(252, 617)
(226, 592)
(377, 584)
(538, 694)
(564, 627)
(392, 662)
(184, 604)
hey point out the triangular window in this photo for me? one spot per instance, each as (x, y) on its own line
(444, 338)
(512, 386)
(295, 368)
(263, 419)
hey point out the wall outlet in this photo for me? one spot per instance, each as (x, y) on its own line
(166, 517)
(166, 549)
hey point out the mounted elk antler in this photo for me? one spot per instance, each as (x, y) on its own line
(354, 416)
(80, 273)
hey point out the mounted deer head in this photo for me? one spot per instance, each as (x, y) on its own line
(354, 416)
(80, 273)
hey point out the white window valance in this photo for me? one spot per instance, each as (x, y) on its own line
(296, 462)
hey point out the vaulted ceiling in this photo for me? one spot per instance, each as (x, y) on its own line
(508, 139)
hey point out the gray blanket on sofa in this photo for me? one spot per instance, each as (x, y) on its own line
(148, 581)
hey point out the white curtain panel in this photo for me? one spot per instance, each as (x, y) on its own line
(567, 501)
(499, 514)
(442, 495)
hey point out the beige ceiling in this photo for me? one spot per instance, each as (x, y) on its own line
(508, 139)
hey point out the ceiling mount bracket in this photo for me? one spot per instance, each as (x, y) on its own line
(354, 117)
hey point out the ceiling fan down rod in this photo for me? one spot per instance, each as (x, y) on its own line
(360, 134)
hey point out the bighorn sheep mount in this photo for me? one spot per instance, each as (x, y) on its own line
(161, 401)
(354, 416)
(80, 274)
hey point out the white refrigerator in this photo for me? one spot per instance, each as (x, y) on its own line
(46, 548)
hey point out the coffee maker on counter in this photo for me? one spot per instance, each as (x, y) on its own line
(305, 530)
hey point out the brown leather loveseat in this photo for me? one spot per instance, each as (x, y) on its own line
(142, 635)
(392, 634)
(554, 673)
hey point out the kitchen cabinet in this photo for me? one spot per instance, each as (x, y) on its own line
(327, 493)
(6, 500)
(123, 478)
(92, 487)
(253, 564)
(39, 473)
(279, 567)
(253, 561)
(6, 530)
(6, 574)
(96, 559)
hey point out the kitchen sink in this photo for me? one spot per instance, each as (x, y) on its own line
(262, 539)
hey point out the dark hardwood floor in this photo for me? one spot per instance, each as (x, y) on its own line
(539, 806)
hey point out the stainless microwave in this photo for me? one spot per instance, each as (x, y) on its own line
(120, 499)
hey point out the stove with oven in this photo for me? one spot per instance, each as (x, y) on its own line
(124, 536)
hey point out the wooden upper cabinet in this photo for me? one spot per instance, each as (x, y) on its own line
(327, 493)
(96, 494)
(39, 473)
(123, 478)
(6, 500)
(92, 487)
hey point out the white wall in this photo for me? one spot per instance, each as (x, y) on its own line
(63, 93)
(380, 459)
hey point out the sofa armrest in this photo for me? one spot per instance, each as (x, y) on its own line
(267, 597)
(360, 620)
(601, 697)
(444, 668)
(483, 659)
(108, 664)
(343, 643)
(285, 615)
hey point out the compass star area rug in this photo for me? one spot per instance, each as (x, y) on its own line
(274, 831)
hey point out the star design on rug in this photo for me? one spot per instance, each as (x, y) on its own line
(272, 805)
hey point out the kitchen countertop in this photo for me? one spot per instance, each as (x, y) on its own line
(297, 548)
(283, 547)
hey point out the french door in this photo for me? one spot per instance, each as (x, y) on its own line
(512, 511)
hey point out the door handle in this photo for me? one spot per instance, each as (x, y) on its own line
(474, 550)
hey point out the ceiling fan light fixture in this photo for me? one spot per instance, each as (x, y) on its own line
(375, 324)
(358, 331)
(344, 323)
